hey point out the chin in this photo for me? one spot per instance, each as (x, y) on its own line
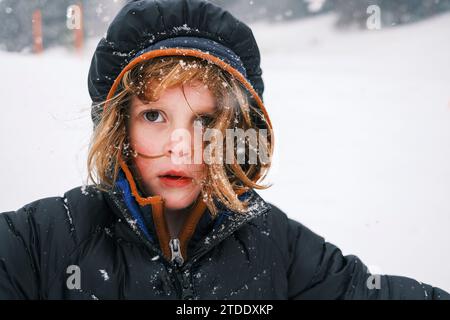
(179, 201)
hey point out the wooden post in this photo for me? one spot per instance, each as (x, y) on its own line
(78, 32)
(75, 22)
(37, 32)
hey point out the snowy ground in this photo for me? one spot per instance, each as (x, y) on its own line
(362, 124)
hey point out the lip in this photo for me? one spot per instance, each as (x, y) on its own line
(175, 179)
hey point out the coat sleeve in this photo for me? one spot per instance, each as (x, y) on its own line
(319, 270)
(19, 271)
(34, 242)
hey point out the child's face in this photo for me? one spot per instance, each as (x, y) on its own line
(150, 128)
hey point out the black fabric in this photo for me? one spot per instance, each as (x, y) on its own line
(260, 255)
(140, 24)
(205, 45)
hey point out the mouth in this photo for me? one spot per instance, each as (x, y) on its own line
(175, 179)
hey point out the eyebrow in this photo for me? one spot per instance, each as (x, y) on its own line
(156, 104)
(141, 104)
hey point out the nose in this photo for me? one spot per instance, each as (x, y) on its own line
(179, 145)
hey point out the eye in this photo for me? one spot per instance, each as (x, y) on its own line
(153, 116)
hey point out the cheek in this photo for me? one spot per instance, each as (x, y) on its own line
(145, 174)
(145, 139)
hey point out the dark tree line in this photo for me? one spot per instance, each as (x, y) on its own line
(349, 12)
(274, 11)
(16, 15)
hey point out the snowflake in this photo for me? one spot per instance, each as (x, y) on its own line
(104, 274)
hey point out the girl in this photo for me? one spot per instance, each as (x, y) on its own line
(181, 141)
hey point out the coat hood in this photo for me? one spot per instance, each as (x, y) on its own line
(146, 29)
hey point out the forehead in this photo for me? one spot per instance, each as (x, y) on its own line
(193, 94)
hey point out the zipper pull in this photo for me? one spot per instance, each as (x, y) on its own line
(175, 249)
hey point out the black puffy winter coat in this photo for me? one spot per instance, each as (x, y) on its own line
(260, 255)
(93, 244)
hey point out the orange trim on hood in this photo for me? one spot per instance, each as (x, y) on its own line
(141, 200)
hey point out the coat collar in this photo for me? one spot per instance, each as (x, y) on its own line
(208, 231)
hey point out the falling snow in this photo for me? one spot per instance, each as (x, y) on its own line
(104, 274)
(69, 215)
(84, 191)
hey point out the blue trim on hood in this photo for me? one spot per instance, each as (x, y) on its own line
(132, 205)
(224, 212)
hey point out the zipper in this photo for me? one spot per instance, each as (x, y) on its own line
(182, 272)
(181, 269)
(182, 276)
(172, 249)
(185, 284)
(175, 250)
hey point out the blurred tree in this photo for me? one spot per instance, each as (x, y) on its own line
(274, 11)
(16, 24)
(16, 21)
(353, 12)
